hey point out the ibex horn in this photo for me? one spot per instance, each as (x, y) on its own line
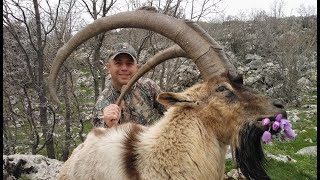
(197, 48)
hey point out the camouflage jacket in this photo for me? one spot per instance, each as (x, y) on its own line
(140, 103)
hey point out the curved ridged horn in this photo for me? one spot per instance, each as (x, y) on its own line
(174, 52)
(217, 47)
(197, 48)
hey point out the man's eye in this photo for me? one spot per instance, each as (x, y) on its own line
(221, 88)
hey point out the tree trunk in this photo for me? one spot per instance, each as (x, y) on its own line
(98, 72)
(162, 84)
(34, 135)
(66, 150)
(41, 86)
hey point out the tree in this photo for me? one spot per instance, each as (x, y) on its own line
(277, 8)
(98, 73)
(35, 31)
(28, 15)
(307, 14)
(204, 8)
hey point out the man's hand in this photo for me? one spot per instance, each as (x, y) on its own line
(112, 114)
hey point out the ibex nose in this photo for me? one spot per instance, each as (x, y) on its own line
(278, 104)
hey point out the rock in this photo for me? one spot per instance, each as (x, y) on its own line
(308, 140)
(242, 69)
(255, 64)
(310, 150)
(234, 174)
(271, 74)
(274, 90)
(228, 154)
(310, 106)
(251, 57)
(280, 157)
(252, 79)
(294, 118)
(304, 82)
(30, 166)
(13, 99)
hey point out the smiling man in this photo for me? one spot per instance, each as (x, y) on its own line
(139, 104)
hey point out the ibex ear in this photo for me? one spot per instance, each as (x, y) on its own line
(176, 99)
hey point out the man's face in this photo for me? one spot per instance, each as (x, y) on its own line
(122, 68)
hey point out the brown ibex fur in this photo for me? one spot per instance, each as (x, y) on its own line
(190, 140)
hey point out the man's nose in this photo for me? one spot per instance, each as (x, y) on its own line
(124, 67)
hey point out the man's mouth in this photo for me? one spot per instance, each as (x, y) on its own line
(124, 75)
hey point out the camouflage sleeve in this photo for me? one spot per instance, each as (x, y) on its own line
(157, 105)
(97, 119)
(155, 91)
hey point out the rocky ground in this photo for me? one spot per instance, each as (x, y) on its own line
(30, 167)
(42, 168)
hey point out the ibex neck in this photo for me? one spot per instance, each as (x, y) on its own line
(185, 143)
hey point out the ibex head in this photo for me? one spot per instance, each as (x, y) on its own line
(225, 106)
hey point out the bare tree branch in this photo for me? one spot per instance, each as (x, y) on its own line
(88, 9)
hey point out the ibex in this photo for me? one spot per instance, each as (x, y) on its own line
(190, 140)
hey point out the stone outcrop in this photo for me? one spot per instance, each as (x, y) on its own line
(311, 150)
(30, 167)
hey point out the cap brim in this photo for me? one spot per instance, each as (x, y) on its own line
(112, 57)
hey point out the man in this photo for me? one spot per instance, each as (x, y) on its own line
(139, 104)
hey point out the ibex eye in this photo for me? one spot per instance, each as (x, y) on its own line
(221, 88)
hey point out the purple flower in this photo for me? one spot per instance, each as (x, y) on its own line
(285, 124)
(279, 117)
(265, 121)
(266, 137)
(275, 125)
(290, 134)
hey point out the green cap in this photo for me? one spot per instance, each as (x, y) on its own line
(120, 48)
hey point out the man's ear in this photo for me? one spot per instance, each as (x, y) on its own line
(108, 67)
(176, 99)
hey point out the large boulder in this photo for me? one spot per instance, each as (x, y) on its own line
(30, 166)
(311, 150)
